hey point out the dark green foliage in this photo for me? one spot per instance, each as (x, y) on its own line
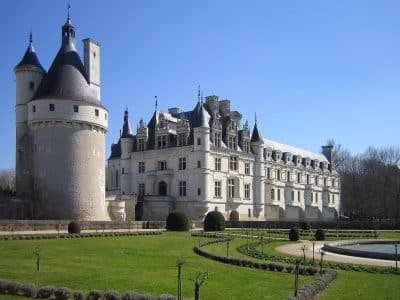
(62, 293)
(177, 221)
(78, 295)
(112, 295)
(74, 227)
(46, 292)
(320, 234)
(214, 221)
(294, 234)
(28, 290)
(305, 225)
(95, 295)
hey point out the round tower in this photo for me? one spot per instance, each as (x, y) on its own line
(68, 123)
(28, 75)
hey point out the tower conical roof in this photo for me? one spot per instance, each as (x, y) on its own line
(67, 78)
(256, 135)
(30, 58)
(126, 129)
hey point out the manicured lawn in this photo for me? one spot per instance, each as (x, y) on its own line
(354, 285)
(145, 264)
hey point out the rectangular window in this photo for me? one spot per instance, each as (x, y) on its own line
(182, 139)
(31, 85)
(316, 180)
(278, 194)
(105, 116)
(123, 171)
(52, 107)
(329, 199)
(246, 146)
(232, 142)
(298, 178)
(249, 212)
(217, 139)
(316, 197)
(298, 196)
(231, 188)
(217, 188)
(333, 199)
(247, 191)
(288, 176)
(182, 163)
(278, 174)
(141, 167)
(34, 108)
(217, 164)
(199, 141)
(182, 188)
(96, 112)
(308, 179)
(140, 144)
(162, 165)
(233, 163)
(142, 189)
(161, 141)
(269, 173)
(292, 196)
(312, 197)
(333, 182)
(247, 168)
(198, 191)
(76, 108)
(199, 164)
(272, 194)
(325, 182)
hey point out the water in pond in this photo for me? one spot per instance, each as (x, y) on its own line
(382, 248)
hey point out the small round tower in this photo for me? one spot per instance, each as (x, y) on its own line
(67, 124)
(28, 75)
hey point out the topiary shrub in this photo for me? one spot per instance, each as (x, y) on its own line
(166, 297)
(95, 295)
(234, 216)
(62, 293)
(46, 292)
(214, 221)
(320, 234)
(78, 295)
(112, 295)
(294, 234)
(305, 225)
(28, 290)
(74, 227)
(177, 221)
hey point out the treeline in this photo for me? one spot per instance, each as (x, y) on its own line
(370, 183)
(7, 182)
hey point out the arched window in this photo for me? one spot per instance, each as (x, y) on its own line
(162, 188)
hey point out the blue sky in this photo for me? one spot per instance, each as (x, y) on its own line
(312, 70)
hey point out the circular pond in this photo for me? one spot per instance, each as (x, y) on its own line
(378, 249)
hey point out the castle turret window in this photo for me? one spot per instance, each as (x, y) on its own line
(140, 145)
(52, 107)
(199, 164)
(76, 108)
(96, 112)
(31, 85)
(199, 141)
(34, 108)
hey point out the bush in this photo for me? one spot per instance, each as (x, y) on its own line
(95, 295)
(320, 234)
(130, 296)
(289, 269)
(166, 297)
(214, 221)
(62, 293)
(177, 221)
(305, 225)
(78, 295)
(294, 234)
(112, 295)
(46, 292)
(29, 290)
(74, 227)
(12, 288)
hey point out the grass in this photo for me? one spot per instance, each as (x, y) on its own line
(145, 264)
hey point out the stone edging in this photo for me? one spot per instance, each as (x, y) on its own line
(334, 247)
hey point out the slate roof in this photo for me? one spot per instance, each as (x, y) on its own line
(30, 58)
(256, 135)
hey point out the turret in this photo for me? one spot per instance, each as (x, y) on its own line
(28, 75)
(126, 137)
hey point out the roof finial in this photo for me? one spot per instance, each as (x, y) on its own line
(201, 97)
(155, 97)
(69, 7)
(126, 107)
(198, 94)
(30, 37)
(255, 117)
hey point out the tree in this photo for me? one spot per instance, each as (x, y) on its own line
(7, 181)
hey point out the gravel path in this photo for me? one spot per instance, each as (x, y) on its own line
(296, 249)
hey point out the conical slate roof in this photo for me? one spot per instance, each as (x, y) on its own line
(30, 58)
(126, 129)
(67, 77)
(256, 135)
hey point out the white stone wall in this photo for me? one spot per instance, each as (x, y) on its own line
(69, 171)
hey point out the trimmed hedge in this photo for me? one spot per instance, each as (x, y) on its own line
(214, 221)
(305, 225)
(74, 227)
(294, 234)
(178, 221)
(320, 234)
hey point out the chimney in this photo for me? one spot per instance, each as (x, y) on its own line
(327, 151)
(91, 53)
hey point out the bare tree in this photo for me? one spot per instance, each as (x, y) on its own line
(7, 181)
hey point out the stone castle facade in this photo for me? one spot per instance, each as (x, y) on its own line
(60, 133)
(205, 159)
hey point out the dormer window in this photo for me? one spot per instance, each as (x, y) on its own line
(161, 141)
(182, 139)
(246, 146)
(140, 146)
(232, 142)
(217, 139)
